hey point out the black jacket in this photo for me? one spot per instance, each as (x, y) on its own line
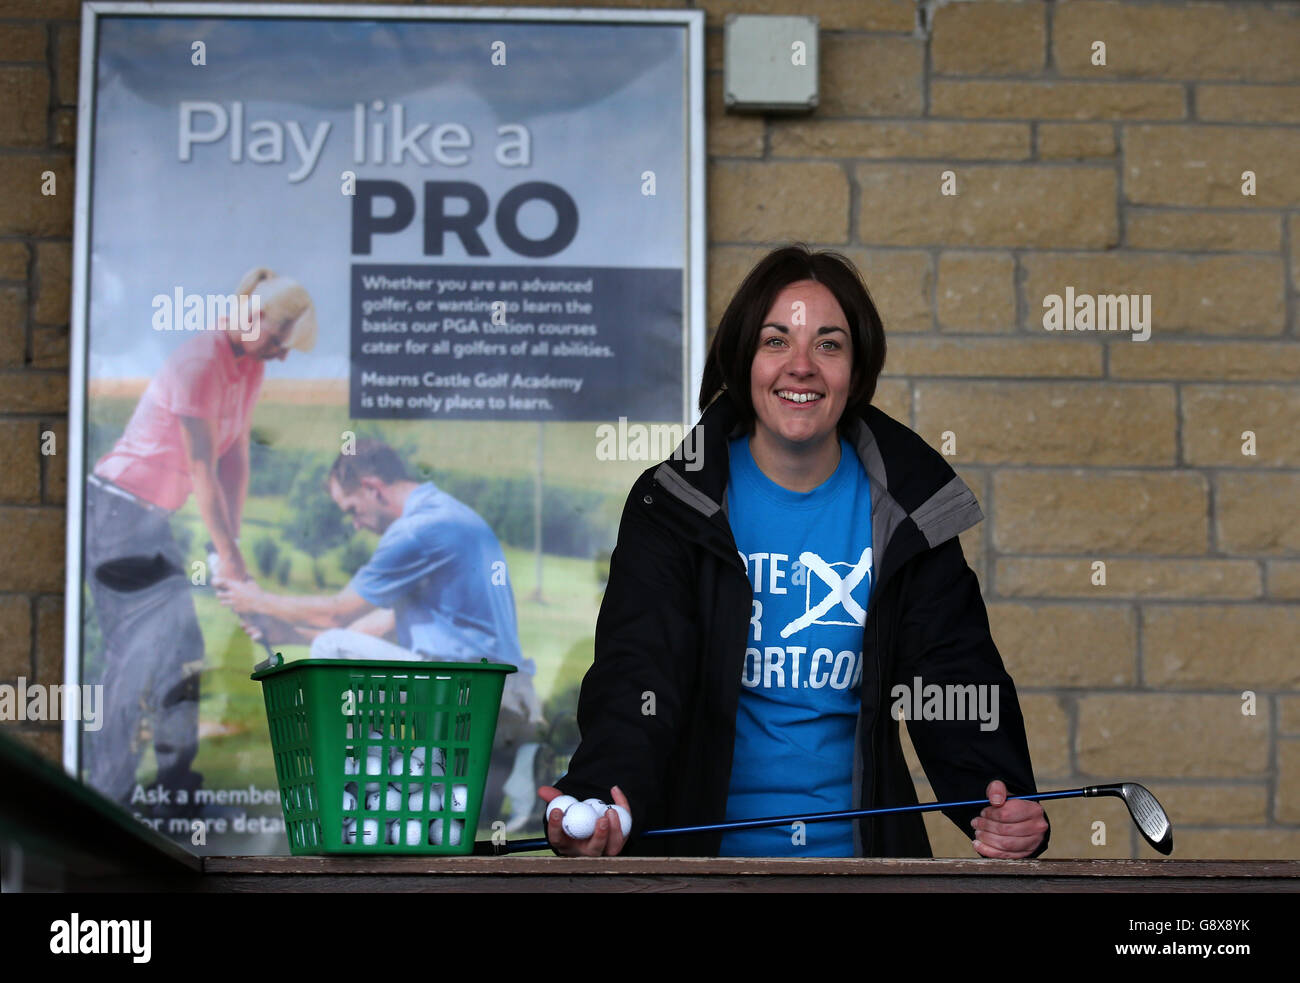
(657, 708)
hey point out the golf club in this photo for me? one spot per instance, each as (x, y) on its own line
(1146, 813)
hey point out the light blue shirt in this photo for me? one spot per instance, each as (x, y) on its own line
(810, 564)
(440, 568)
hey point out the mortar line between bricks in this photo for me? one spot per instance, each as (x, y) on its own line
(1085, 691)
(1073, 252)
(1139, 634)
(926, 29)
(1100, 470)
(1288, 252)
(1270, 803)
(1180, 458)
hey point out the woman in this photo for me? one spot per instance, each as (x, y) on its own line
(760, 608)
(188, 434)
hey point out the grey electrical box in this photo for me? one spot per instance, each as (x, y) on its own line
(770, 63)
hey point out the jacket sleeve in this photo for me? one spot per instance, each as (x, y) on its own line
(944, 639)
(634, 696)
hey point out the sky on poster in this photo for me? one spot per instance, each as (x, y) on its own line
(598, 100)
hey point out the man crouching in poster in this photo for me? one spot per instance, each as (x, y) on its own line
(438, 577)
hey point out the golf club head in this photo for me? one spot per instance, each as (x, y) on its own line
(1147, 813)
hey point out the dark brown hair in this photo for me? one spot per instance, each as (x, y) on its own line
(373, 458)
(727, 367)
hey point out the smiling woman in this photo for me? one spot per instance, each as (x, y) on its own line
(761, 603)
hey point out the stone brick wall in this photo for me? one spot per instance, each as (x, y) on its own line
(1082, 447)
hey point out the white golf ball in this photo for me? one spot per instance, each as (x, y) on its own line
(435, 832)
(417, 762)
(459, 798)
(374, 760)
(414, 829)
(396, 761)
(349, 830)
(579, 821)
(350, 799)
(624, 818)
(392, 832)
(438, 763)
(393, 800)
(370, 832)
(596, 805)
(351, 766)
(561, 802)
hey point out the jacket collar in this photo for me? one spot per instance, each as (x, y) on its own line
(917, 500)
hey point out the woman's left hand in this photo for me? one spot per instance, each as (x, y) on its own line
(1008, 829)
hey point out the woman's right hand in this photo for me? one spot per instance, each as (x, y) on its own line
(607, 841)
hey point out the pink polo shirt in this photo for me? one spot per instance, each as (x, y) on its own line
(201, 378)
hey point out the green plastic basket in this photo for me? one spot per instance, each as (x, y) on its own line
(381, 757)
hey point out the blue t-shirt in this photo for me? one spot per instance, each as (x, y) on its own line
(810, 565)
(440, 568)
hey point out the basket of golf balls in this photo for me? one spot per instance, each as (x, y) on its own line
(381, 757)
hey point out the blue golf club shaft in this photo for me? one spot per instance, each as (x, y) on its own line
(519, 846)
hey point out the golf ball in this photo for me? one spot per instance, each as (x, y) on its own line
(351, 766)
(579, 821)
(370, 832)
(350, 799)
(413, 830)
(459, 798)
(561, 802)
(393, 800)
(349, 830)
(597, 806)
(392, 832)
(624, 818)
(374, 760)
(437, 764)
(435, 832)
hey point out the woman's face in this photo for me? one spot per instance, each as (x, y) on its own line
(269, 343)
(802, 371)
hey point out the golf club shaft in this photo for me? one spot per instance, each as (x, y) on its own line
(519, 846)
(270, 653)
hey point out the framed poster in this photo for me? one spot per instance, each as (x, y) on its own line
(367, 301)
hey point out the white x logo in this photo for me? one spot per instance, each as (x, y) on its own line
(840, 592)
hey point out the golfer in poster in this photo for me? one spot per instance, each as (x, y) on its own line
(189, 434)
(437, 581)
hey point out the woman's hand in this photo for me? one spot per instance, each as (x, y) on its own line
(607, 841)
(1008, 828)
